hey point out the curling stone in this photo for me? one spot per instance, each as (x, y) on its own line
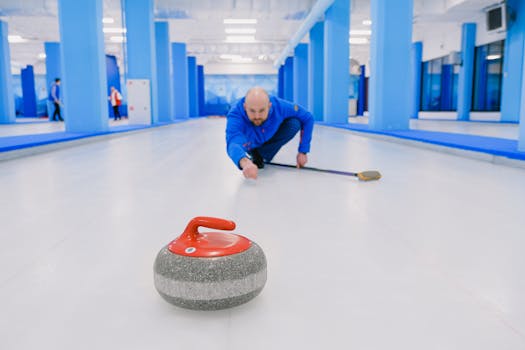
(211, 270)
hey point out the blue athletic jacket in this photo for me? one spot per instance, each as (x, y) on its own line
(242, 135)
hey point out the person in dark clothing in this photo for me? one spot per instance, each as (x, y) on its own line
(54, 96)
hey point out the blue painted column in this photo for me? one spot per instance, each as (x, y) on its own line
(180, 81)
(201, 89)
(53, 70)
(466, 71)
(192, 86)
(280, 82)
(140, 47)
(288, 79)
(316, 71)
(163, 48)
(27, 76)
(513, 64)
(7, 96)
(389, 100)
(415, 85)
(361, 91)
(336, 62)
(83, 82)
(521, 136)
(300, 75)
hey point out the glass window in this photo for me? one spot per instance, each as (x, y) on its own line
(488, 77)
(439, 86)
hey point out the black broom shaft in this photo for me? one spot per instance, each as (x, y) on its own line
(316, 169)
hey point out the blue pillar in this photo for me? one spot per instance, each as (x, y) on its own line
(300, 75)
(200, 89)
(466, 71)
(521, 137)
(280, 82)
(389, 100)
(140, 47)
(83, 77)
(513, 64)
(180, 81)
(316, 70)
(192, 86)
(361, 98)
(415, 85)
(27, 76)
(7, 96)
(163, 48)
(288, 79)
(53, 70)
(336, 62)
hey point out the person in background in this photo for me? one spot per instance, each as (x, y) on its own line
(259, 125)
(54, 96)
(116, 100)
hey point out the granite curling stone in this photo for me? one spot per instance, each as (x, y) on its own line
(211, 270)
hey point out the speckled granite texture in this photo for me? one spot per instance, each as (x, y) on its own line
(210, 283)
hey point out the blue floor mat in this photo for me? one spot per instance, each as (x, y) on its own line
(491, 145)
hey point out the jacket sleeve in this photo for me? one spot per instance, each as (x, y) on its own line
(306, 118)
(235, 139)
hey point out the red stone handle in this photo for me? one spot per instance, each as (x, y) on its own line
(192, 230)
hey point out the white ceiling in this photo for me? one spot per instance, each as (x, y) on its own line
(199, 23)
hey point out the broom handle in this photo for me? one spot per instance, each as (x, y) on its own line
(338, 172)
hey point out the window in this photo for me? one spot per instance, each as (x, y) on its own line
(488, 77)
(439, 87)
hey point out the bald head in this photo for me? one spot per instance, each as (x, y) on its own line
(257, 105)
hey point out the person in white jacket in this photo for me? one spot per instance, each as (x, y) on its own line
(116, 100)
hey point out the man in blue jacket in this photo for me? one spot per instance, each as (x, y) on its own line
(259, 125)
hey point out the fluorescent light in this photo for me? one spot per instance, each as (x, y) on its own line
(367, 22)
(229, 57)
(42, 55)
(108, 20)
(240, 21)
(241, 39)
(114, 30)
(358, 41)
(361, 32)
(117, 39)
(493, 57)
(240, 30)
(15, 39)
(242, 60)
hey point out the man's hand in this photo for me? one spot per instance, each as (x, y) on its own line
(249, 169)
(302, 159)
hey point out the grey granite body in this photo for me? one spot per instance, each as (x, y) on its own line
(210, 283)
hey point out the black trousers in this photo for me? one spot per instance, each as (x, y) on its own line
(56, 113)
(116, 113)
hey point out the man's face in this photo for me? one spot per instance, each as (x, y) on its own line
(257, 110)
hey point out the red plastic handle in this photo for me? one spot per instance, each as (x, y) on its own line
(192, 230)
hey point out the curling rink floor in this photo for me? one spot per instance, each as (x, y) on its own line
(429, 257)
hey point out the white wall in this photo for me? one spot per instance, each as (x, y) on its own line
(439, 39)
